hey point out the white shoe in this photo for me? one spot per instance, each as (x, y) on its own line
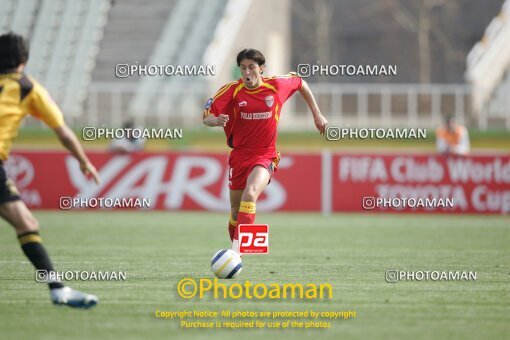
(235, 247)
(72, 298)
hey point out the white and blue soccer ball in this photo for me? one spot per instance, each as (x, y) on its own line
(226, 264)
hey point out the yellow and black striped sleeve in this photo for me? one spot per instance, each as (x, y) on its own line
(39, 104)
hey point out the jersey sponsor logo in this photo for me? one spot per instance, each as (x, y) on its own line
(269, 101)
(253, 238)
(208, 104)
(243, 103)
(256, 115)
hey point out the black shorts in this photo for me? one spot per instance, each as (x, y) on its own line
(8, 191)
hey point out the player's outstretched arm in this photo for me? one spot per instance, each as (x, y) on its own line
(211, 120)
(70, 142)
(319, 120)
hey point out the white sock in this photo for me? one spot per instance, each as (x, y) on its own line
(235, 245)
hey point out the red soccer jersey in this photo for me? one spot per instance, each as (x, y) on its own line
(253, 113)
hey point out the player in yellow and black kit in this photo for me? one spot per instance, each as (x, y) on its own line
(21, 95)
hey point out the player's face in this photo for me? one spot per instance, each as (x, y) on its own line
(251, 73)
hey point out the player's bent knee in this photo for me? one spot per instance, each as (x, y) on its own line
(27, 224)
(250, 194)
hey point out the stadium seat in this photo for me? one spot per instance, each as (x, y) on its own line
(183, 42)
(64, 38)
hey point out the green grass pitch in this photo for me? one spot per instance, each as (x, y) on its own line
(349, 251)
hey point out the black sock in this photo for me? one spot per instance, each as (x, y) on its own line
(31, 243)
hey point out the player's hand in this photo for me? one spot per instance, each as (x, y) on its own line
(320, 123)
(222, 120)
(88, 169)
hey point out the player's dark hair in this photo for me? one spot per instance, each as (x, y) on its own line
(250, 53)
(13, 51)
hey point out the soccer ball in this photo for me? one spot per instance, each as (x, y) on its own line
(226, 264)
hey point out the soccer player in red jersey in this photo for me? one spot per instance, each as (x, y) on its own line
(249, 110)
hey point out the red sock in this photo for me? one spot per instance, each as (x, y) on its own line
(246, 216)
(232, 224)
(246, 213)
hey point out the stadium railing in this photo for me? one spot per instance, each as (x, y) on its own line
(356, 105)
(385, 105)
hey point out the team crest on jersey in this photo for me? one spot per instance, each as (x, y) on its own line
(208, 104)
(243, 103)
(269, 101)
